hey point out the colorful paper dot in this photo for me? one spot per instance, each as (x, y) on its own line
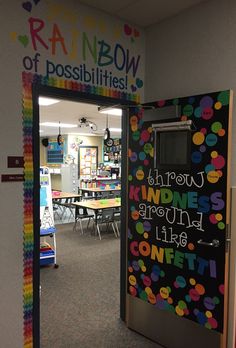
(198, 112)
(206, 102)
(221, 225)
(196, 157)
(216, 126)
(145, 135)
(198, 138)
(209, 303)
(208, 314)
(202, 148)
(139, 227)
(214, 154)
(181, 281)
(221, 132)
(132, 291)
(132, 280)
(219, 217)
(223, 97)
(218, 162)
(147, 226)
(152, 298)
(147, 281)
(135, 215)
(218, 105)
(143, 268)
(188, 110)
(212, 177)
(222, 289)
(207, 113)
(200, 289)
(191, 246)
(194, 295)
(164, 293)
(179, 311)
(182, 304)
(209, 168)
(192, 281)
(142, 156)
(213, 323)
(212, 219)
(211, 139)
(140, 175)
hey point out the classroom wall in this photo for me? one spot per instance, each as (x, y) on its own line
(56, 42)
(87, 141)
(193, 53)
(71, 149)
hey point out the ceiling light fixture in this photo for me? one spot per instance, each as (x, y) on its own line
(84, 122)
(47, 101)
(110, 111)
(56, 124)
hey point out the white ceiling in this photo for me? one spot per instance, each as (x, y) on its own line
(142, 13)
(70, 112)
(128, 10)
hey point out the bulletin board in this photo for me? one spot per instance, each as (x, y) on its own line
(177, 220)
(87, 161)
(56, 152)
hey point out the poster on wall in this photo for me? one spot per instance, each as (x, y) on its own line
(87, 161)
(56, 153)
(177, 213)
(58, 40)
(46, 208)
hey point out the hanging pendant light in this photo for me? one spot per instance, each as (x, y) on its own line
(107, 135)
(59, 137)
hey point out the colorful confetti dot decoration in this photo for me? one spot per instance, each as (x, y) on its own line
(172, 210)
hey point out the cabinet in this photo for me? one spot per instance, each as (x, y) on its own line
(69, 178)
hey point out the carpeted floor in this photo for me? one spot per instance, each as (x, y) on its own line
(80, 300)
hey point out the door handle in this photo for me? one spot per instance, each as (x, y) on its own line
(215, 243)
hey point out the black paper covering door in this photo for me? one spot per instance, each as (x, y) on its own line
(177, 218)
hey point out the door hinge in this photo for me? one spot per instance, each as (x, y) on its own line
(227, 238)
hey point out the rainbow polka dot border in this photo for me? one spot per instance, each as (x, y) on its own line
(28, 233)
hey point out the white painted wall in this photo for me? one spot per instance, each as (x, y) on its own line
(195, 53)
(16, 44)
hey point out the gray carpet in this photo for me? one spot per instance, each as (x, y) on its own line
(80, 300)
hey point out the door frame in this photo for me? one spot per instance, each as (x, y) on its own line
(70, 95)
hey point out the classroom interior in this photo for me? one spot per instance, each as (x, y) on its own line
(84, 167)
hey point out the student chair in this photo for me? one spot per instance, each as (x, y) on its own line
(82, 214)
(106, 217)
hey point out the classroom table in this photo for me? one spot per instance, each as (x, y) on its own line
(64, 195)
(99, 204)
(98, 190)
(58, 197)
